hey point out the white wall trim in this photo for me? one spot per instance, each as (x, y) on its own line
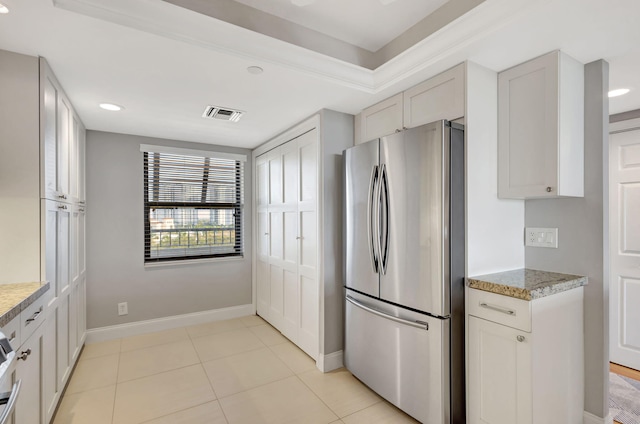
(622, 126)
(589, 418)
(295, 131)
(330, 362)
(111, 332)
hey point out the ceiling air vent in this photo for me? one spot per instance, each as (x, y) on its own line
(222, 113)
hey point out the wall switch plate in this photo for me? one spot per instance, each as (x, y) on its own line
(123, 308)
(541, 237)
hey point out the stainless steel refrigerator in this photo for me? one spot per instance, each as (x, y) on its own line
(405, 262)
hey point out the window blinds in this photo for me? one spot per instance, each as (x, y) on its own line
(193, 205)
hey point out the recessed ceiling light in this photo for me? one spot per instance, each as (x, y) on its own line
(255, 70)
(110, 106)
(3, 8)
(618, 92)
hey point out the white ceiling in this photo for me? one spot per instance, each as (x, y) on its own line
(165, 63)
(369, 24)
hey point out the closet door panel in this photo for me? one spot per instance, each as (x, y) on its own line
(308, 240)
(263, 289)
(309, 312)
(276, 285)
(291, 310)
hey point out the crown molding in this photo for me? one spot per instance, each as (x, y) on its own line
(177, 23)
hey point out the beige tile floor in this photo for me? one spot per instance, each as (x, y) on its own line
(225, 372)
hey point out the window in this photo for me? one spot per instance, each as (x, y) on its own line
(193, 204)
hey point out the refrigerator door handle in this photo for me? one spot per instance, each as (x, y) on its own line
(371, 213)
(417, 324)
(383, 240)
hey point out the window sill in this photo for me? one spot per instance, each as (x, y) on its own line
(187, 262)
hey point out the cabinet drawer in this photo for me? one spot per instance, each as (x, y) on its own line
(12, 331)
(32, 316)
(505, 310)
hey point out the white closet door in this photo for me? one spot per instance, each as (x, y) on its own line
(276, 230)
(291, 306)
(308, 284)
(624, 204)
(262, 236)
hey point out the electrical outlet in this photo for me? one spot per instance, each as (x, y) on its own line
(541, 237)
(123, 308)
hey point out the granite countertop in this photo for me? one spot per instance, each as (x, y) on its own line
(18, 296)
(527, 284)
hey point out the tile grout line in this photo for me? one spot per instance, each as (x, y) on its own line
(115, 392)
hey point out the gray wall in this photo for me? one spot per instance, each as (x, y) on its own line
(115, 242)
(583, 237)
(337, 135)
(19, 168)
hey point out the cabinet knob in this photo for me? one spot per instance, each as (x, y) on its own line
(398, 130)
(549, 189)
(298, 238)
(24, 354)
(520, 338)
(266, 234)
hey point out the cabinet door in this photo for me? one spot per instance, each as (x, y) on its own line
(499, 374)
(49, 133)
(65, 130)
(63, 245)
(74, 151)
(50, 387)
(28, 405)
(82, 311)
(441, 97)
(62, 341)
(528, 129)
(381, 119)
(82, 149)
(73, 325)
(308, 248)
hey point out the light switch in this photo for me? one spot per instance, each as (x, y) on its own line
(541, 237)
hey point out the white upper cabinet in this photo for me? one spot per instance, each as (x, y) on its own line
(440, 97)
(541, 129)
(381, 119)
(62, 140)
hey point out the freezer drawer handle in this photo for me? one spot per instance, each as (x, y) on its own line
(418, 324)
(498, 309)
(10, 402)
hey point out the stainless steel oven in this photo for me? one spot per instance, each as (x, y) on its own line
(8, 392)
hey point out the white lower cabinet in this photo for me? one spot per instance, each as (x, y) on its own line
(499, 373)
(525, 359)
(28, 406)
(50, 388)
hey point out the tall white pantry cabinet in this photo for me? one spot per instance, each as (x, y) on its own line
(298, 233)
(42, 183)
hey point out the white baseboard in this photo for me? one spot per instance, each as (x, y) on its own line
(330, 362)
(112, 332)
(589, 418)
